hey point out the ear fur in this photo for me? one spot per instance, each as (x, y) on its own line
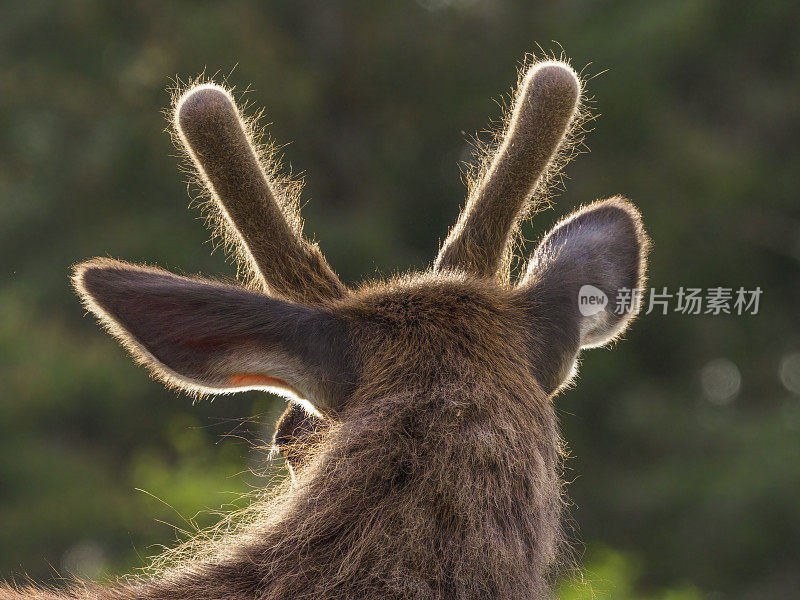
(297, 432)
(207, 337)
(583, 279)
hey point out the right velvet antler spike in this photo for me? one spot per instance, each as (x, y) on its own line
(546, 105)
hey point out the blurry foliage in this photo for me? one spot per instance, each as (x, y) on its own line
(610, 575)
(699, 123)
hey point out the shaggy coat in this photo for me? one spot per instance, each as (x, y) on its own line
(421, 432)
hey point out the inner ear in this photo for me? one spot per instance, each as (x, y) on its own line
(249, 380)
(204, 336)
(584, 277)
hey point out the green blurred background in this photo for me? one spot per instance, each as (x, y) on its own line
(686, 439)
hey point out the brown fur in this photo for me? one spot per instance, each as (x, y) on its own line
(213, 133)
(297, 433)
(428, 466)
(546, 105)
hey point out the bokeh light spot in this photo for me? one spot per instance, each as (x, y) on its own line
(789, 372)
(86, 559)
(721, 381)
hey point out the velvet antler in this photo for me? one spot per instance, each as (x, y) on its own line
(211, 129)
(546, 104)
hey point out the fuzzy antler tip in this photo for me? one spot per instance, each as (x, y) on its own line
(551, 90)
(204, 106)
(557, 75)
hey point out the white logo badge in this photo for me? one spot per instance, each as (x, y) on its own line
(591, 300)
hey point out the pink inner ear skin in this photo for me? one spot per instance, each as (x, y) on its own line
(246, 379)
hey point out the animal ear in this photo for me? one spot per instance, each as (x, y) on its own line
(297, 433)
(204, 336)
(583, 280)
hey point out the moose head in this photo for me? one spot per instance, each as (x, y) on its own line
(435, 466)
